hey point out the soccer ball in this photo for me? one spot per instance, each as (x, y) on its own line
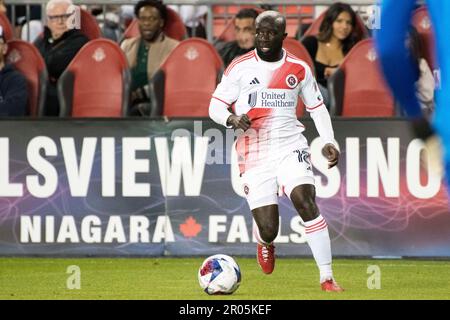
(219, 274)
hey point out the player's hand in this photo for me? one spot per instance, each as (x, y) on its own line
(433, 157)
(239, 122)
(330, 152)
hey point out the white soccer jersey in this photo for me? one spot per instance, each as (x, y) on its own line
(268, 93)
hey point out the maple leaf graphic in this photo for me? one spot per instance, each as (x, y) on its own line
(190, 228)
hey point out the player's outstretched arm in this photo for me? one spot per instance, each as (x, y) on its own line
(313, 100)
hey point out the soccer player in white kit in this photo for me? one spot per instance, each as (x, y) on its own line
(264, 85)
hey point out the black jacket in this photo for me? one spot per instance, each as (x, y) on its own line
(231, 50)
(13, 92)
(312, 45)
(57, 55)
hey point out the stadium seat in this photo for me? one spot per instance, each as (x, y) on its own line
(315, 26)
(295, 17)
(357, 88)
(227, 34)
(173, 28)
(7, 28)
(96, 83)
(89, 25)
(184, 84)
(295, 47)
(26, 58)
(422, 22)
(227, 10)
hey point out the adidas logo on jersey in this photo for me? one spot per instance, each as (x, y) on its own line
(255, 81)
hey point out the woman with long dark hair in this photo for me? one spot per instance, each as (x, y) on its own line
(338, 33)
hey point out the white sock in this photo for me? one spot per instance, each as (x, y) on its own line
(319, 241)
(258, 237)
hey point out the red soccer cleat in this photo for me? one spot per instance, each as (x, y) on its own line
(331, 286)
(266, 257)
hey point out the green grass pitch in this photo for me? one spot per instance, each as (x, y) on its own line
(176, 278)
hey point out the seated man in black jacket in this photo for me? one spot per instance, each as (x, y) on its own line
(13, 86)
(60, 43)
(244, 27)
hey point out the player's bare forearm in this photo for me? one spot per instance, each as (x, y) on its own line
(332, 154)
(239, 122)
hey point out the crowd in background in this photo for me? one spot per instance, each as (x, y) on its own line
(58, 44)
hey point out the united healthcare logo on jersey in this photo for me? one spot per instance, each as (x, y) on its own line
(271, 99)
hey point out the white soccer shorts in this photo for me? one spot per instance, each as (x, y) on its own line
(262, 183)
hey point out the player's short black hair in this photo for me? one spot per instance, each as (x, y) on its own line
(247, 13)
(152, 3)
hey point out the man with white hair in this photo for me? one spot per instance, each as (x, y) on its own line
(60, 43)
(264, 86)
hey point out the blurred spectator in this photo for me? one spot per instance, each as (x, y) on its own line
(337, 35)
(425, 84)
(36, 29)
(193, 18)
(109, 21)
(13, 86)
(3, 7)
(126, 15)
(244, 27)
(22, 25)
(58, 46)
(147, 52)
(21, 16)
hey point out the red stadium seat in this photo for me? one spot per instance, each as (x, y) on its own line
(292, 26)
(422, 22)
(26, 58)
(89, 25)
(297, 49)
(173, 28)
(7, 28)
(227, 34)
(185, 82)
(313, 29)
(219, 25)
(294, 17)
(231, 10)
(96, 83)
(357, 88)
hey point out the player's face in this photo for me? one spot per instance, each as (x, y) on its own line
(150, 23)
(269, 39)
(245, 32)
(342, 26)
